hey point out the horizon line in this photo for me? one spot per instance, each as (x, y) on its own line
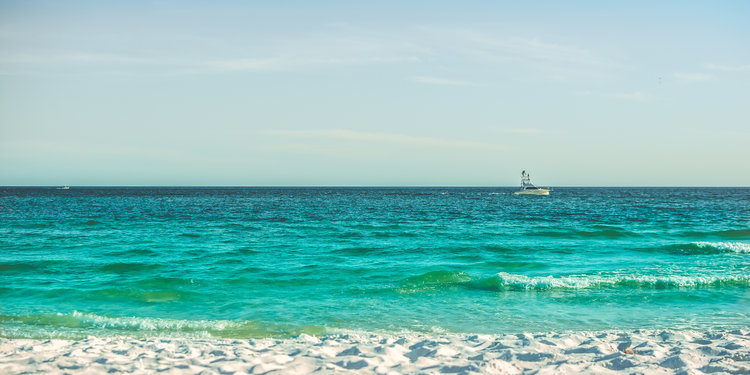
(369, 186)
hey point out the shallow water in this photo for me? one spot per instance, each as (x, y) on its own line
(254, 262)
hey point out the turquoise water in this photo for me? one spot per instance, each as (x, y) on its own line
(256, 262)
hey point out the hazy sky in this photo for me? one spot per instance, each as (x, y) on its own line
(374, 93)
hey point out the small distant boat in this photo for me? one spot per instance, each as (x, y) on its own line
(528, 188)
(66, 187)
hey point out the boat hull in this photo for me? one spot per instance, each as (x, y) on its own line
(533, 192)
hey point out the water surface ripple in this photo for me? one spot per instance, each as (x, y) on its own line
(256, 262)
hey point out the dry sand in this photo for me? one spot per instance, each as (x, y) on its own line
(649, 352)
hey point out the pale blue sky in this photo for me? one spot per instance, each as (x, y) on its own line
(374, 93)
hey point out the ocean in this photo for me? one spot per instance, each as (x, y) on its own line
(205, 262)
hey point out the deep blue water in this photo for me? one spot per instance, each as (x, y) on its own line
(254, 262)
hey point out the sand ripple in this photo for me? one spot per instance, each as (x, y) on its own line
(584, 352)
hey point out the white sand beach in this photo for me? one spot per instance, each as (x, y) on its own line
(640, 351)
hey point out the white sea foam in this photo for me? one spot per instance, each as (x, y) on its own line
(598, 281)
(736, 247)
(147, 324)
(74, 324)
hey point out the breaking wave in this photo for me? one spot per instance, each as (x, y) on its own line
(77, 325)
(725, 247)
(703, 247)
(503, 281)
(523, 282)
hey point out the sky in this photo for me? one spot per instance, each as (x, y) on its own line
(379, 93)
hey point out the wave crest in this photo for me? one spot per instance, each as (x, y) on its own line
(433, 281)
(503, 281)
(599, 233)
(725, 247)
(701, 248)
(507, 281)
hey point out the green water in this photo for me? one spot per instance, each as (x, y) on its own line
(257, 262)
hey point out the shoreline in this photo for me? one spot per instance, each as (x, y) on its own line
(648, 351)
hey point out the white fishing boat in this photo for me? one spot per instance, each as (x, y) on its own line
(66, 187)
(528, 188)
